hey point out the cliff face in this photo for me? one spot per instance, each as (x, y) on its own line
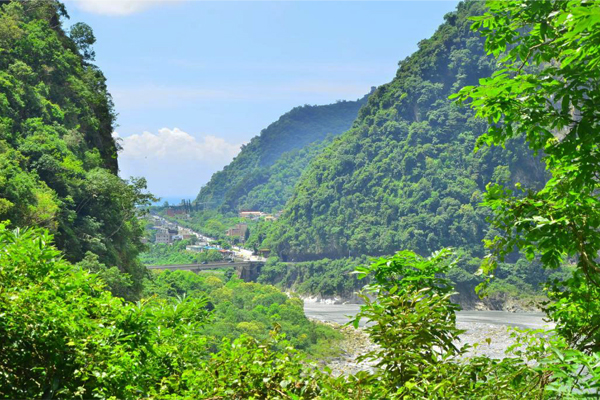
(405, 176)
(58, 160)
(265, 172)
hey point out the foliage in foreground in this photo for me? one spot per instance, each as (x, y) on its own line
(548, 89)
(62, 335)
(413, 320)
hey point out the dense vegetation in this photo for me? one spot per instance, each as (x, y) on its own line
(515, 285)
(405, 176)
(265, 172)
(548, 89)
(63, 335)
(165, 254)
(244, 308)
(58, 160)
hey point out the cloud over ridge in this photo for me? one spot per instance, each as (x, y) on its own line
(173, 161)
(177, 144)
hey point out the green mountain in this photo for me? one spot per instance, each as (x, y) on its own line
(263, 175)
(58, 159)
(405, 176)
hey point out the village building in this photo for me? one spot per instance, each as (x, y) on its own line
(254, 215)
(195, 248)
(202, 243)
(264, 252)
(162, 236)
(226, 253)
(185, 233)
(200, 248)
(166, 235)
(157, 221)
(172, 211)
(238, 231)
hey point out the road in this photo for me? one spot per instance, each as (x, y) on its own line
(238, 252)
(201, 267)
(246, 254)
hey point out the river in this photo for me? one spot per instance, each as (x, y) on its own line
(340, 313)
(478, 326)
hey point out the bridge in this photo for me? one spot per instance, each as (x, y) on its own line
(246, 270)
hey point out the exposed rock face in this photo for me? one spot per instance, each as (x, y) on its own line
(499, 302)
(352, 299)
(496, 302)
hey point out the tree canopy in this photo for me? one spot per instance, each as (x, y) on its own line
(405, 176)
(547, 88)
(64, 335)
(58, 159)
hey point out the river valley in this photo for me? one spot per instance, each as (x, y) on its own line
(479, 326)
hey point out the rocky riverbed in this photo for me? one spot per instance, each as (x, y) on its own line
(478, 326)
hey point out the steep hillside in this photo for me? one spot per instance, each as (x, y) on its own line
(58, 160)
(264, 174)
(405, 176)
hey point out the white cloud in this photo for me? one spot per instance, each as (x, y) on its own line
(118, 7)
(169, 143)
(173, 161)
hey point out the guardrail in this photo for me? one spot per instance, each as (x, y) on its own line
(200, 267)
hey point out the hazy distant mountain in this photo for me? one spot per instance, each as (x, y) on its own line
(263, 175)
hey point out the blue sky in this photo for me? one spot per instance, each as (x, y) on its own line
(193, 80)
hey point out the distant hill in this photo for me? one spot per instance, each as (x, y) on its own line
(405, 176)
(262, 177)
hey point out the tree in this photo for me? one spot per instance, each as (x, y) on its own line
(547, 90)
(83, 36)
(412, 317)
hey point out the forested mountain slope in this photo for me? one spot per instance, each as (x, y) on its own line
(264, 174)
(405, 176)
(58, 160)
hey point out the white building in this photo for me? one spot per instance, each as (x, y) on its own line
(162, 236)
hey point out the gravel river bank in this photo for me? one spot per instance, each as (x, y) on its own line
(478, 325)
